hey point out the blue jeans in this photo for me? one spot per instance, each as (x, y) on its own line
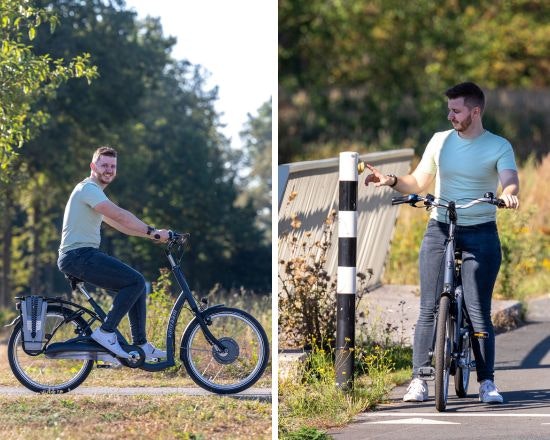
(481, 257)
(102, 270)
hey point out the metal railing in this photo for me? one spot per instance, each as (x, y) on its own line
(308, 193)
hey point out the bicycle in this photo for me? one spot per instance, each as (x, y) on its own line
(224, 350)
(451, 350)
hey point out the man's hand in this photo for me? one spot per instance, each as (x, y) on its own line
(511, 201)
(377, 178)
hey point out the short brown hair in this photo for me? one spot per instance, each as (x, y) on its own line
(103, 151)
(471, 92)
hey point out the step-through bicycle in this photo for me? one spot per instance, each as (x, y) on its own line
(451, 349)
(224, 350)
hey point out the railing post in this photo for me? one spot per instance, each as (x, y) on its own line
(346, 281)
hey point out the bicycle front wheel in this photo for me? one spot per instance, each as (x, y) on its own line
(236, 368)
(443, 347)
(46, 375)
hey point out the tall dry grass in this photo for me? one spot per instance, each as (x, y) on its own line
(524, 234)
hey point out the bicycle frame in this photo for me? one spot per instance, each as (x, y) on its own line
(98, 314)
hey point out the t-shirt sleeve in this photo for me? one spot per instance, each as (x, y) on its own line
(506, 161)
(92, 195)
(427, 163)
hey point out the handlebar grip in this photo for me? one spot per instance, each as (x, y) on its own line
(500, 203)
(411, 198)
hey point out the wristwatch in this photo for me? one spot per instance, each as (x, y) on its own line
(150, 230)
(395, 180)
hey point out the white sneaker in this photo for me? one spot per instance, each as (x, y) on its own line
(417, 391)
(110, 342)
(488, 392)
(152, 353)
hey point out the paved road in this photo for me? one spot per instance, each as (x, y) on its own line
(252, 393)
(522, 374)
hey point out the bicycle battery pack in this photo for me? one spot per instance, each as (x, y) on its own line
(33, 318)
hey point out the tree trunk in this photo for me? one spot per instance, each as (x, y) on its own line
(7, 234)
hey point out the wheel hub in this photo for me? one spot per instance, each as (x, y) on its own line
(230, 354)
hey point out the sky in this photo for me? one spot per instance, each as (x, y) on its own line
(234, 40)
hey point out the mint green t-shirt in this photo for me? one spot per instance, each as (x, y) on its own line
(81, 223)
(466, 169)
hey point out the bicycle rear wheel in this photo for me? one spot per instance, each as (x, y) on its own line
(462, 376)
(443, 347)
(40, 373)
(244, 360)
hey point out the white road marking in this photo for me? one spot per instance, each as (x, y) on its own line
(415, 421)
(447, 414)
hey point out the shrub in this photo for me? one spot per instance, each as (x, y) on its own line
(307, 301)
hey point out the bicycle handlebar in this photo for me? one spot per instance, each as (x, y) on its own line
(429, 201)
(177, 238)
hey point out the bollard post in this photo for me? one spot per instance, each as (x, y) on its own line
(347, 257)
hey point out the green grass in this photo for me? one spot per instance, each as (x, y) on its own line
(310, 403)
(133, 417)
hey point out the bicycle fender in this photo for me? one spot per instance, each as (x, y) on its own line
(14, 322)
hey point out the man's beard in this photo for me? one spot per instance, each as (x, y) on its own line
(105, 181)
(464, 125)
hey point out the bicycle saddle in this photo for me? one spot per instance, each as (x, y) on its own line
(73, 281)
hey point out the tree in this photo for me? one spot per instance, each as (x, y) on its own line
(373, 72)
(25, 77)
(257, 183)
(176, 169)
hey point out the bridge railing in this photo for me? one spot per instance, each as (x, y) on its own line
(308, 192)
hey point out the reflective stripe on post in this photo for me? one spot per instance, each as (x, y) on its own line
(347, 271)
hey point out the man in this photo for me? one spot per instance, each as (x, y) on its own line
(79, 253)
(466, 162)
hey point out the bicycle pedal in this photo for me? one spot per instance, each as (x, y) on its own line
(106, 366)
(426, 373)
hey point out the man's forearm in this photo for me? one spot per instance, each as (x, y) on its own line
(129, 224)
(407, 184)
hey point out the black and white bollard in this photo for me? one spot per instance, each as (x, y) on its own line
(347, 272)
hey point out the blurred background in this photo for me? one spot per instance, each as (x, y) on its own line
(177, 167)
(370, 75)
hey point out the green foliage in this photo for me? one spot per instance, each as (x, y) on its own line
(307, 296)
(312, 398)
(307, 299)
(307, 434)
(175, 169)
(258, 181)
(373, 73)
(26, 78)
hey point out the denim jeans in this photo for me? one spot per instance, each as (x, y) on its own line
(102, 270)
(481, 257)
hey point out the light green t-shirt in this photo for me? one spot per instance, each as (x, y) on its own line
(81, 223)
(466, 169)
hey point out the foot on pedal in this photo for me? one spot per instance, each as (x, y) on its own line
(110, 342)
(152, 353)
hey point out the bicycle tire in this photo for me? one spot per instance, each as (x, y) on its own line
(243, 363)
(442, 353)
(45, 375)
(462, 376)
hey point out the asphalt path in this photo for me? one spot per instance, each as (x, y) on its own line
(522, 373)
(252, 393)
